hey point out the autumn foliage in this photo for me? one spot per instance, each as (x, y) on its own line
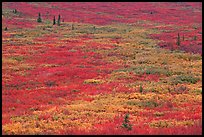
(108, 68)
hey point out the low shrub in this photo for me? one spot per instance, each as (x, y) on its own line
(184, 79)
(126, 123)
(50, 83)
(93, 81)
(144, 104)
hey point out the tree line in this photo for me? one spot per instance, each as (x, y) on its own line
(39, 19)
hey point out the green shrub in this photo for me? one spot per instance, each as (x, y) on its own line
(195, 38)
(178, 40)
(158, 71)
(39, 18)
(54, 118)
(126, 123)
(184, 79)
(149, 104)
(138, 70)
(18, 58)
(198, 91)
(141, 88)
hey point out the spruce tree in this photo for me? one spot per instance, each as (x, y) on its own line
(54, 21)
(15, 11)
(6, 29)
(126, 123)
(94, 28)
(178, 40)
(72, 26)
(141, 89)
(39, 18)
(195, 37)
(58, 21)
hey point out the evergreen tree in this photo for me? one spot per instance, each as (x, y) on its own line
(15, 11)
(6, 29)
(183, 37)
(178, 40)
(54, 21)
(58, 21)
(141, 89)
(126, 123)
(195, 37)
(39, 18)
(72, 26)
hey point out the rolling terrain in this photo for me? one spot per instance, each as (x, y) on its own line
(107, 68)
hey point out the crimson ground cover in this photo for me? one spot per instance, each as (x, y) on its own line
(99, 65)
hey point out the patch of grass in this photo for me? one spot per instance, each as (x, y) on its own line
(154, 90)
(184, 79)
(72, 50)
(149, 104)
(161, 124)
(18, 58)
(15, 86)
(147, 70)
(107, 29)
(8, 60)
(18, 35)
(198, 91)
(159, 114)
(153, 70)
(121, 75)
(85, 56)
(189, 57)
(93, 81)
(138, 70)
(55, 118)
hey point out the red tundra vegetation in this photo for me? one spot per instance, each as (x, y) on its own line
(104, 68)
